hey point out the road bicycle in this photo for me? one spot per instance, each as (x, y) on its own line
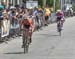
(26, 40)
(59, 27)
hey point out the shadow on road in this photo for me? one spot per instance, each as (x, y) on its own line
(14, 53)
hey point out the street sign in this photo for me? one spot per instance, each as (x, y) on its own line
(31, 4)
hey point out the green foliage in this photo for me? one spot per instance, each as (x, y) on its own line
(50, 3)
(57, 5)
(40, 2)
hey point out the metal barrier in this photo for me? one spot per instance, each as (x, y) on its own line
(11, 28)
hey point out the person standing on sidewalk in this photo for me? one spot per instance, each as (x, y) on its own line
(47, 14)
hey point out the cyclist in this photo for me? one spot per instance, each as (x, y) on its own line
(60, 17)
(26, 23)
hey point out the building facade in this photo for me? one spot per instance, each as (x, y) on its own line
(13, 2)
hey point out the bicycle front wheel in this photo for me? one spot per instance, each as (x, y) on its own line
(59, 30)
(26, 45)
(60, 33)
(26, 49)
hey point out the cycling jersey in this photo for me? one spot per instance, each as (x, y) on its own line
(26, 23)
(59, 15)
(47, 12)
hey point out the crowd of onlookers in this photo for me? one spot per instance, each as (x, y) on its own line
(16, 13)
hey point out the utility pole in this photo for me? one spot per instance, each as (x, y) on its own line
(61, 4)
(54, 5)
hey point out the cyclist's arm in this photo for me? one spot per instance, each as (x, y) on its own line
(21, 24)
(31, 26)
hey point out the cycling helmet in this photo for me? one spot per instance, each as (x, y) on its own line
(59, 10)
(25, 17)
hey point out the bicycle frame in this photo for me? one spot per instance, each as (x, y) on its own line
(59, 26)
(26, 35)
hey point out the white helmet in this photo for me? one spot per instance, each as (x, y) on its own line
(25, 17)
(59, 10)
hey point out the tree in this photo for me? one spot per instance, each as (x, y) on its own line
(50, 3)
(40, 2)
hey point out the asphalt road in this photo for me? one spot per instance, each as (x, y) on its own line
(47, 44)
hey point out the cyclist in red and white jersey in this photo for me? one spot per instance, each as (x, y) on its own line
(60, 16)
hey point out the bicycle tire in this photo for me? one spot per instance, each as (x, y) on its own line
(26, 45)
(60, 33)
(24, 50)
(27, 48)
(59, 30)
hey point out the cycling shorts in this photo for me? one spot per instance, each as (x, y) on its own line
(59, 18)
(26, 26)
